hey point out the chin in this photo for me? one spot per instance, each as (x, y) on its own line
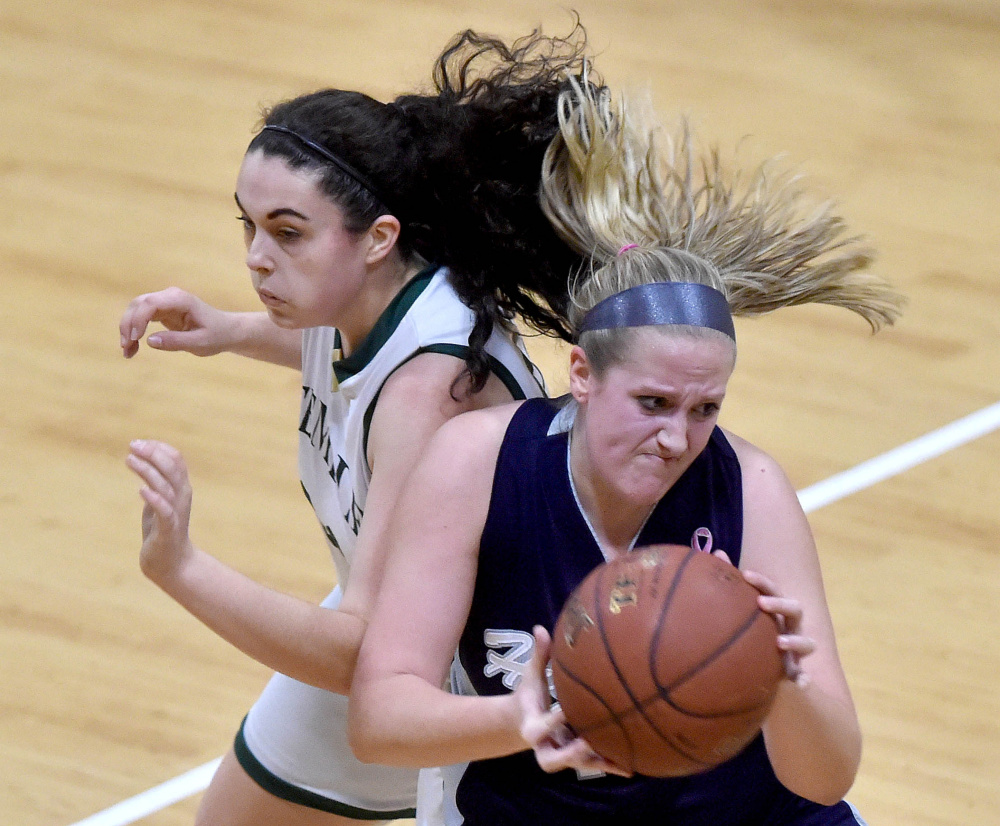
(650, 486)
(282, 319)
(645, 491)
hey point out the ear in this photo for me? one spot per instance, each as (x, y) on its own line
(382, 236)
(580, 374)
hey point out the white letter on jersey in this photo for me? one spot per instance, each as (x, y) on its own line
(512, 664)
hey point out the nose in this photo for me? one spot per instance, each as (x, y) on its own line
(258, 260)
(672, 438)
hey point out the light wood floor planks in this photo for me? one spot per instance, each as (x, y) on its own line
(122, 126)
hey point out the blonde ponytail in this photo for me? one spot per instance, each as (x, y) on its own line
(760, 238)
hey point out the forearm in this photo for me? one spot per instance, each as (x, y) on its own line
(304, 641)
(814, 742)
(402, 720)
(257, 337)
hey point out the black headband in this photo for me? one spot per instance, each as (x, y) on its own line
(663, 302)
(327, 155)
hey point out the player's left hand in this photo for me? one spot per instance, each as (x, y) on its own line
(167, 511)
(543, 725)
(788, 614)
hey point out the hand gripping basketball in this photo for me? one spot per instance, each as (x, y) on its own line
(663, 661)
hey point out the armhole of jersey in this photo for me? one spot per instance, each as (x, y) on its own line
(459, 351)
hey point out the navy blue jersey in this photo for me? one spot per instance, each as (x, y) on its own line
(536, 548)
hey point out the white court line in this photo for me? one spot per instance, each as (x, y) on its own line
(156, 798)
(813, 497)
(901, 458)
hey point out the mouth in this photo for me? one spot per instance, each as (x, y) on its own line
(269, 299)
(659, 460)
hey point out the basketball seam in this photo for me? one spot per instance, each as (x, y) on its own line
(616, 718)
(611, 714)
(664, 610)
(665, 691)
(637, 705)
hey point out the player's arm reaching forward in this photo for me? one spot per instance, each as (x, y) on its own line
(274, 628)
(193, 326)
(305, 641)
(400, 714)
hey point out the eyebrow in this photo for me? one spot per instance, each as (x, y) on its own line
(274, 213)
(648, 389)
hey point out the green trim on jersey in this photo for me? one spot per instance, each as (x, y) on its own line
(497, 367)
(384, 327)
(459, 351)
(284, 790)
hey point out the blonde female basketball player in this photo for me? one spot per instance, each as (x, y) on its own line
(511, 507)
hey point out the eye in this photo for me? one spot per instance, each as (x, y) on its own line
(708, 410)
(652, 404)
(248, 227)
(287, 234)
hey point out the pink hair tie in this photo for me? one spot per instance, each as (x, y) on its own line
(627, 247)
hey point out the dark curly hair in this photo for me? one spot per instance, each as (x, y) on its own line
(460, 169)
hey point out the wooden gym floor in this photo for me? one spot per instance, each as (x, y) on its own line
(122, 127)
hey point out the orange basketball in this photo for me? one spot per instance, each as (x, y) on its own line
(664, 663)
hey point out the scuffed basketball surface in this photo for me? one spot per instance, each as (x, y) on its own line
(663, 661)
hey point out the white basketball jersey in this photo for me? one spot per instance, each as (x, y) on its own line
(339, 395)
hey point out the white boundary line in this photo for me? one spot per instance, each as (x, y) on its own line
(156, 798)
(813, 497)
(901, 458)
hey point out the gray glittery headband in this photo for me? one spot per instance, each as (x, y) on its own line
(663, 302)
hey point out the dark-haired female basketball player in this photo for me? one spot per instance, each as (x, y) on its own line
(351, 208)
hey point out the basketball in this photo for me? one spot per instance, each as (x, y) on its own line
(663, 662)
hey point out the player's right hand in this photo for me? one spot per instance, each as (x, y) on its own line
(543, 724)
(166, 514)
(192, 326)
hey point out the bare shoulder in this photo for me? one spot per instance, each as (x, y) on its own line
(456, 470)
(777, 540)
(434, 382)
(417, 400)
(477, 432)
(423, 382)
(764, 480)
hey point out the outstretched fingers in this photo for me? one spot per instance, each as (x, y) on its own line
(787, 612)
(168, 306)
(167, 511)
(133, 323)
(161, 467)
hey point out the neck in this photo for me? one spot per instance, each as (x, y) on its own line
(382, 284)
